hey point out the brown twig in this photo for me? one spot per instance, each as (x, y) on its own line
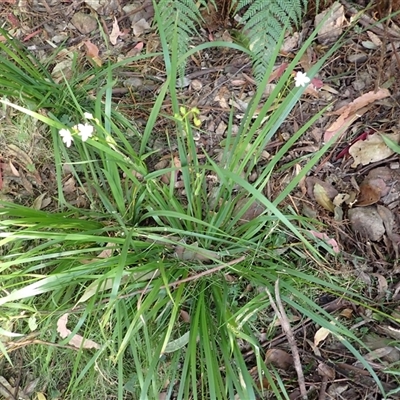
(280, 312)
(322, 390)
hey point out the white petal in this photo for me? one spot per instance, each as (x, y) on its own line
(85, 131)
(66, 136)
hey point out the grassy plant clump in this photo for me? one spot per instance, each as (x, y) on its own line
(154, 277)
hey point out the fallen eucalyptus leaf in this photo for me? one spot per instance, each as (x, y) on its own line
(372, 149)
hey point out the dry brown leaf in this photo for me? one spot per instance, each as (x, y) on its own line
(374, 39)
(40, 202)
(135, 50)
(340, 126)
(382, 285)
(332, 26)
(14, 170)
(25, 183)
(387, 353)
(352, 111)
(69, 186)
(140, 27)
(372, 149)
(362, 101)
(92, 51)
(254, 211)
(323, 236)
(185, 317)
(371, 191)
(322, 198)
(76, 340)
(115, 33)
(347, 313)
(320, 335)
(326, 371)
(330, 190)
(389, 221)
(278, 358)
(367, 222)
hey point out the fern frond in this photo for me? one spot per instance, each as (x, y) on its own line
(180, 17)
(264, 22)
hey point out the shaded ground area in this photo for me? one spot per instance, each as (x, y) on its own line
(354, 190)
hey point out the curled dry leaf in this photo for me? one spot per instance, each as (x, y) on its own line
(322, 198)
(77, 341)
(347, 313)
(371, 191)
(321, 335)
(372, 149)
(278, 358)
(115, 33)
(341, 198)
(14, 170)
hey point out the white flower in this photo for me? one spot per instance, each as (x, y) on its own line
(88, 115)
(84, 131)
(301, 79)
(66, 136)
